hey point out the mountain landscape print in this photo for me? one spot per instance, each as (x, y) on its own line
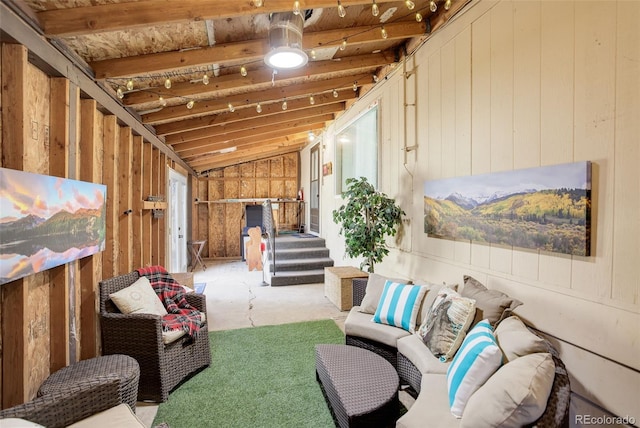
(546, 208)
(47, 221)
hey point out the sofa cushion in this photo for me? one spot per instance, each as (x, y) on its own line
(18, 423)
(430, 297)
(119, 416)
(138, 298)
(516, 395)
(477, 359)
(431, 408)
(373, 292)
(516, 340)
(399, 305)
(359, 324)
(447, 323)
(413, 348)
(490, 304)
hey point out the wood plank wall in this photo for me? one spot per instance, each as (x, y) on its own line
(220, 224)
(50, 319)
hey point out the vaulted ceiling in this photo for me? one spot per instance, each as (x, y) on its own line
(153, 55)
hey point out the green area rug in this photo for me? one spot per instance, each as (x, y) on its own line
(259, 377)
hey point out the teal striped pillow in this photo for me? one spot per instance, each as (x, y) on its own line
(399, 305)
(477, 359)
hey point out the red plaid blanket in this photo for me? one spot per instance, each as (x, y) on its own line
(181, 315)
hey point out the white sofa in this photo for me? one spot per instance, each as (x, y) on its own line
(517, 394)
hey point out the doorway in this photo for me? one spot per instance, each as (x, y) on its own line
(177, 212)
(314, 193)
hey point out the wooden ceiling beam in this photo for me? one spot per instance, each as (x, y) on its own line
(170, 114)
(247, 113)
(260, 76)
(120, 16)
(251, 50)
(251, 135)
(179, 140)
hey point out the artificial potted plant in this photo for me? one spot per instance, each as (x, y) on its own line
(368, 217)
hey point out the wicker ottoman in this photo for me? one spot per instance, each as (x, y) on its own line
(360, 386)
(125, 367)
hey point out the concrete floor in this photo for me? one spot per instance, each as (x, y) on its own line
(236, 299)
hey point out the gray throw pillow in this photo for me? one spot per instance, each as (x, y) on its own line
(373, 292)
(492, 305)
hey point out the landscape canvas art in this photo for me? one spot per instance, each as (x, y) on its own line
(47, 221)
(546, 208)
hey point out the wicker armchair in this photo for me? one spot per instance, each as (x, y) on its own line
(162, 367)
(62, 408)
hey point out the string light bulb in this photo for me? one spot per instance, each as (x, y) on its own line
(375, 10)
(243, 71)
(190, 104)
(383, 33)
(259, 108)
(343, 45)
(130, 85)
(284, 104)
(410, 5)
(231, 108)
(258, 3)
(418, 17)
(296, 7)
(312, 100)
(162, 101)
(375, 78)
(120, 93)
(167, 83)
(335, 94)
(313, 54)
(342, 12)
(205, 79)
(447, 5)
(433, 6)
(355, 86)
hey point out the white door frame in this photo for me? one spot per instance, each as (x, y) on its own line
(176, 221)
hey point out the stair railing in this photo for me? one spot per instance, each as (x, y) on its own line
(270, 231)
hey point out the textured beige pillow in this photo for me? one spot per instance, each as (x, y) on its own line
(138, 298)
(516, 340)
(514, 396)
(373, 292)
(490, 304)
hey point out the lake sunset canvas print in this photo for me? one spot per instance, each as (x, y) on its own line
(546, 208)
(47, 221)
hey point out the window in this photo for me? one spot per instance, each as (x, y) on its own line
(357, 150)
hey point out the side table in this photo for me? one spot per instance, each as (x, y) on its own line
(337, 285)
(196, 249)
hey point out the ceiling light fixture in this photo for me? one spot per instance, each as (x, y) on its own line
(383, 33)
(375, 10)
(205, 79)
(312, 100)
(410, 5)
(418, 17)
(433, 6)
(285, 40)
(130, 85)
(447, 5)
(343, 45)
(259, 108)
(167, 83)
(190, 104)
(243, 71)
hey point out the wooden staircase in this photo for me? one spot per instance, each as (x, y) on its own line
(299, 259)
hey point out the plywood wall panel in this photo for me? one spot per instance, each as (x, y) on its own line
(448, 106)
(37, 116)
(434, 118)
(247, 188)
(262, 168)
(526, 84)
(217, 235)
(276, 189)
(91, 159)
(38, 339)
(276, 167)
(233, 226)
(290, 164)
(626, 250)
(481, 95)
(502, 87)
(463, 102)
(59, 276)
(231, 189)
(262, 188)
(556, 82)
(594, 137)
(232, 171)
